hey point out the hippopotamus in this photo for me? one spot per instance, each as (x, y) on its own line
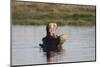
(52, 42)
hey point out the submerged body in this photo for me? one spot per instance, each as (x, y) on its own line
(53, 44)
(50, 44)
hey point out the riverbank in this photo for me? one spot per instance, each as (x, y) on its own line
(30, 13)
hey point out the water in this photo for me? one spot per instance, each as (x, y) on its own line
(26, 39)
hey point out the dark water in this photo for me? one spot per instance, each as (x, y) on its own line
(26, 39)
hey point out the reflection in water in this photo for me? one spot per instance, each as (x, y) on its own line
(51, 57)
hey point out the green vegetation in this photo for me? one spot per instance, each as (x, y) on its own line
(30, 13)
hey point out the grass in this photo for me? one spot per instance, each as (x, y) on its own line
(25, 13)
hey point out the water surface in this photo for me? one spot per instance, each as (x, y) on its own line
(26, 39)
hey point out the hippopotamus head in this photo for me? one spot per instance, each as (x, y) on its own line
(51, 29)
